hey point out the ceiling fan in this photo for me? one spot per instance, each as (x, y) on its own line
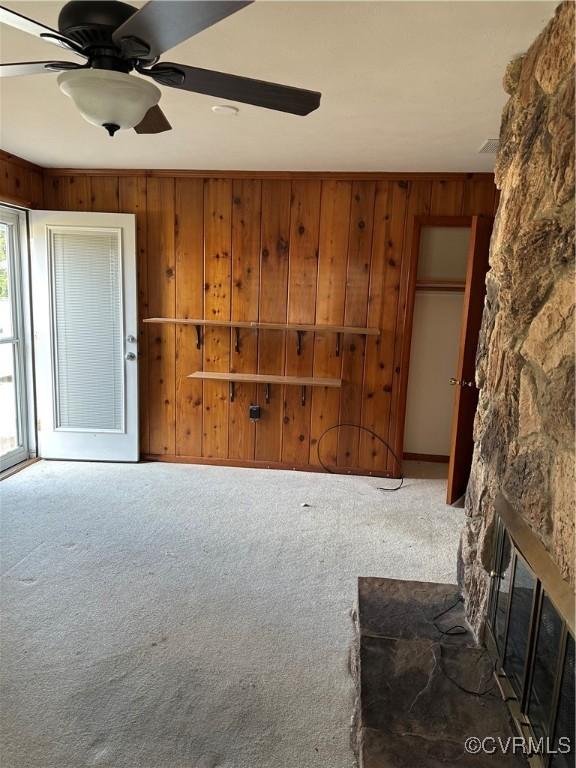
(114, 39)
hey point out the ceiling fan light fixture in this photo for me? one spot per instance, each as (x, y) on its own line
(114, 100)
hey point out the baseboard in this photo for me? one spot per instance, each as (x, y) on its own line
(438, 458)
(171, 458)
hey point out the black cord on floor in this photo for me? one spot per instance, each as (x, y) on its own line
(478, 694)
(458, 629)
(371, 432)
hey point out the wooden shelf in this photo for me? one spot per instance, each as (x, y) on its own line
(260, 378)
(267, 326)
(440, 285)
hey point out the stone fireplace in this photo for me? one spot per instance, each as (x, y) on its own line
(524, 431)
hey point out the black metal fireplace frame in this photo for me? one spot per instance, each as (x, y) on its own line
(525, 548)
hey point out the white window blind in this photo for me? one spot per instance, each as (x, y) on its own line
(88, 332)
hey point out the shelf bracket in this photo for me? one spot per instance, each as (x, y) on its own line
(198, 337)
(267, 393)
(237, 345)
(232, 391)
(300, 335)
(303, 395)
(338, 343)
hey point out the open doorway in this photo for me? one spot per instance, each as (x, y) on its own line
(437, 317)
(445, 303)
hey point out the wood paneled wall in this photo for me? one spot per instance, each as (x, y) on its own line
(306, 248)
(21, 182)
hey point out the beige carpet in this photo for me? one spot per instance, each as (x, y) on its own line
(173, 616)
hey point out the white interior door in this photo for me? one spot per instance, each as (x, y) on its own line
(85, 335)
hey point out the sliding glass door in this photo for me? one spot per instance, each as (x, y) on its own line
(14, 444)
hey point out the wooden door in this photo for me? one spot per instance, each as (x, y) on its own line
(466, 397)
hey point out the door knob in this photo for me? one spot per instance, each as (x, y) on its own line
(130, 356)
(460, 382)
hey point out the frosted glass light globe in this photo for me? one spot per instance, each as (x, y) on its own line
(111, 99)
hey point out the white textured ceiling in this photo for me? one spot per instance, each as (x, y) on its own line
(407, 86)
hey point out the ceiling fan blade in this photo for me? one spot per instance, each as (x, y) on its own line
(283, 98)
(36, 68)
(24, 24)
(154, 122)
(162, 24)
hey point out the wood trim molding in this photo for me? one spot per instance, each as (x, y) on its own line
(432, 457)
(8, 199)
(170, 458)
(286, 175)
(17, 160)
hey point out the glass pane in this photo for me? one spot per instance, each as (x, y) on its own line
(494, 584)
(519, 624)
(8, 407)
(503, 594)
(6, 330)
(545, 664)
(88, 323)
(565, 736)
(443, 253)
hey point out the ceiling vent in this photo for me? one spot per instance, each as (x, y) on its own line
(490, 147)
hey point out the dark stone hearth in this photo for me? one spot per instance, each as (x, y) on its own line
(422, 692)
(403, 610)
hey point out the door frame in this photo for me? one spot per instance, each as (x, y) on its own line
(22, 317)
(464, 412)
(83, 444)
(408, 315)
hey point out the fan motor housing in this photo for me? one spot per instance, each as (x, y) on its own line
(91, 25)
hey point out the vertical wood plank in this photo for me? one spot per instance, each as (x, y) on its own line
(273, 302)
(446, 197)
(217, 295)
(104, 194)
(189, 246)
(11, 181)
(36, 189)
(20, 183)
(478, 197)
(418, 205)
(132, 199)
(391, 208)
(371, 451)
(330, 305)
(51, 192)
(162, 303)
(353, 346)
(246, 215)
(67, 193)
(304, 232)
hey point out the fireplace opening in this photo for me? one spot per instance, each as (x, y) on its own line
(521, 606)
(547, 653)
(565, 720)
(530, 633)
